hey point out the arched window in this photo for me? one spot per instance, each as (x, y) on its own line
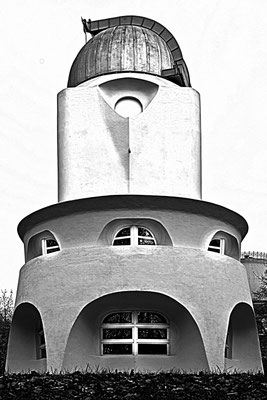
(134, 332)
(225, 244)
(135, 236)
(42, 243)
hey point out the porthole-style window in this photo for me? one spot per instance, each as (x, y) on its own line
(135, 333)
(135, 236)
(128, 107)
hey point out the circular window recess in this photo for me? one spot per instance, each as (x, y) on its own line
(128, 107)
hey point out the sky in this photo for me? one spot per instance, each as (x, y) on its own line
(224, 46)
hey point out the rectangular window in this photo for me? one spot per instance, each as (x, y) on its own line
(135, 332)
(41, 348)
(229, 343)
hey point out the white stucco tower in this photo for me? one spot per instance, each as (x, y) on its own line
(131, 269)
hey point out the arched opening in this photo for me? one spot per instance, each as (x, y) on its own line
(43, 243)
(144, 230)
(242, 349)
(128, 96)
(27, 345)
(178, 335)
(225, 244)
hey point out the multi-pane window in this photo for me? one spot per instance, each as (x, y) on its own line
(49, 246)
(134, 332)
(217, 246)
(41, 347)
(135, 236)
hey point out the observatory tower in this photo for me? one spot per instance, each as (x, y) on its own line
(131, 269)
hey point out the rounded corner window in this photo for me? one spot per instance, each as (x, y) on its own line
(128, 107)
(42, 243)
(225, 244)
(134, 333)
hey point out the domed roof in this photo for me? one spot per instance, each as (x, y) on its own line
(123, 48)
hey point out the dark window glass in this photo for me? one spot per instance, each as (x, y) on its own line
(214, 250)
(51, 243)
(150, 318)
(146, 242)
(215, 242)
(118, 318)
(122, 242)
(152, 333)
(43, 352)
(117, 333)
(117, 348)
(51, 250)
(42, 338)
(152, 349)
(123, 232)
(144, 232)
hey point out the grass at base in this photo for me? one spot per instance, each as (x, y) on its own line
(105, 385)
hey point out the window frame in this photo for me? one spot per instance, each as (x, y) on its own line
(134, 236)
(221, 247)
(45, 247)
(135, 341)
(41, 344)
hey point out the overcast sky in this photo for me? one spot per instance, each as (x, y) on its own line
(224, 45)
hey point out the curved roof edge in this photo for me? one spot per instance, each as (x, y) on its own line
(134, 201)
(179, 73)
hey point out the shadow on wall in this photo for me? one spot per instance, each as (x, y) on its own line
(26, 347)
(186, 349)
(242, 342)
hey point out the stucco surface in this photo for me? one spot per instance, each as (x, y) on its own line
(86, 228)
(62, 284)
(156, 152)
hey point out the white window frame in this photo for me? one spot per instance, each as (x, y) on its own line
(134, 341)
(45, 247)
(221, 246)
(134, 236)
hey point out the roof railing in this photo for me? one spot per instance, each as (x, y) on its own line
(259, 255)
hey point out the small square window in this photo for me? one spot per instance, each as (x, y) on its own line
(49, 246)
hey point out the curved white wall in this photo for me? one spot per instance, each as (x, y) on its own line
(156, 152)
